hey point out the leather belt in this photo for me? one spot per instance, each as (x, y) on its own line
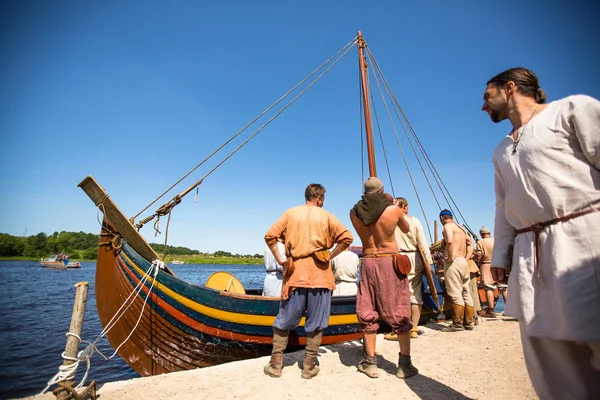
(538, 228)
(377, 255)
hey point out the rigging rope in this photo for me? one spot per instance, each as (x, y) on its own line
(387, 166)
(402, 124)
(442, 187)
(404, 156)
(177, 199)
(349, 45)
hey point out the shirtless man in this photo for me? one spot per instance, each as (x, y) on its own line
(382, 294)
(456, 273)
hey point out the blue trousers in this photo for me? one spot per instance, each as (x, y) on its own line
(316, 303)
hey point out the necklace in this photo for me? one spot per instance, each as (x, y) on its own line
(516, 143)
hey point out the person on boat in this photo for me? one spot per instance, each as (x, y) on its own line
(459, 248)
(273, 277)
(345, 273)
(307, 277)
(484, 249)
(66, 259)
(383, 293)
(408, 244)
(547, 176)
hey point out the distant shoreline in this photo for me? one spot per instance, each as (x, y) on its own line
(186, 259)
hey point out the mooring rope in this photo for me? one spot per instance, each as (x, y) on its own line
(67, 372)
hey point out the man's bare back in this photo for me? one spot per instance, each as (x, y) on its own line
(456, 241)
(378, 237)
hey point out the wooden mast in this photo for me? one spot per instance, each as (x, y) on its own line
(367, 110)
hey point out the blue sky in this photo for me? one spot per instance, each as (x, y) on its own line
(137, 93)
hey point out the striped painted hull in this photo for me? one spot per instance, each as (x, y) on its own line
(184, 326)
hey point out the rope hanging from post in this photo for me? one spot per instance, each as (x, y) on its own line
(68, 372)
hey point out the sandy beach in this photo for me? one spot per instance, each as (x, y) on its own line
(484, 364)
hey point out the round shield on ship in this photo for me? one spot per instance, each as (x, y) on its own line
(226, 282)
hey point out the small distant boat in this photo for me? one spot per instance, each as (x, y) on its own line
(178, 262)
(58, 261)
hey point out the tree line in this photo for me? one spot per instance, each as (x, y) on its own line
(81, 245)
(184, 251)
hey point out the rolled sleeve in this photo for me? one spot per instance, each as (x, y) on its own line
(276, 230)
(342, 236)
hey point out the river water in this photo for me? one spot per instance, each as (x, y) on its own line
(36, 304)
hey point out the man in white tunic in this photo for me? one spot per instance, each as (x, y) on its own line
(547, 184)
(345, 272)
(407, 245)
(274, 277)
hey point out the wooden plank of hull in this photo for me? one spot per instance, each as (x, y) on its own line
(166, 339)
(171, 337)
(156, 345)
(210, 311)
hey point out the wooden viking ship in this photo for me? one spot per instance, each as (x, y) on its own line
(159, 323)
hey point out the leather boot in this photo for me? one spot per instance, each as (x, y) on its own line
(275, 365)
(405, 367)
(368, 366)
(469, 313)
(313, 341)
(457, 319)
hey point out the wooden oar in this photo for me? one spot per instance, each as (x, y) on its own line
(429, 276)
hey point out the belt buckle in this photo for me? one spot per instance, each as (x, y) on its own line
(537, 228)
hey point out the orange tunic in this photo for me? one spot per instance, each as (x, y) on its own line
(308, 229)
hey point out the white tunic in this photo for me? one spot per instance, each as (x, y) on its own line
(554, 173)
(273, 279)
(407, 242)
(345, 271)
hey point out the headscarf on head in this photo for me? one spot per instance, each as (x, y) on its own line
(373, 185)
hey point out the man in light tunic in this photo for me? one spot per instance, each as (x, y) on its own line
(547, 181)
(273, 277)
(407, 245)
(308, 281)
(459, 248)
(484, 249)
(345, 272)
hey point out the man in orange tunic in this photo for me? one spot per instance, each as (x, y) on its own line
(308, 280)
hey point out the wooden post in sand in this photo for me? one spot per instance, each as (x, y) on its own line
(72, 347)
